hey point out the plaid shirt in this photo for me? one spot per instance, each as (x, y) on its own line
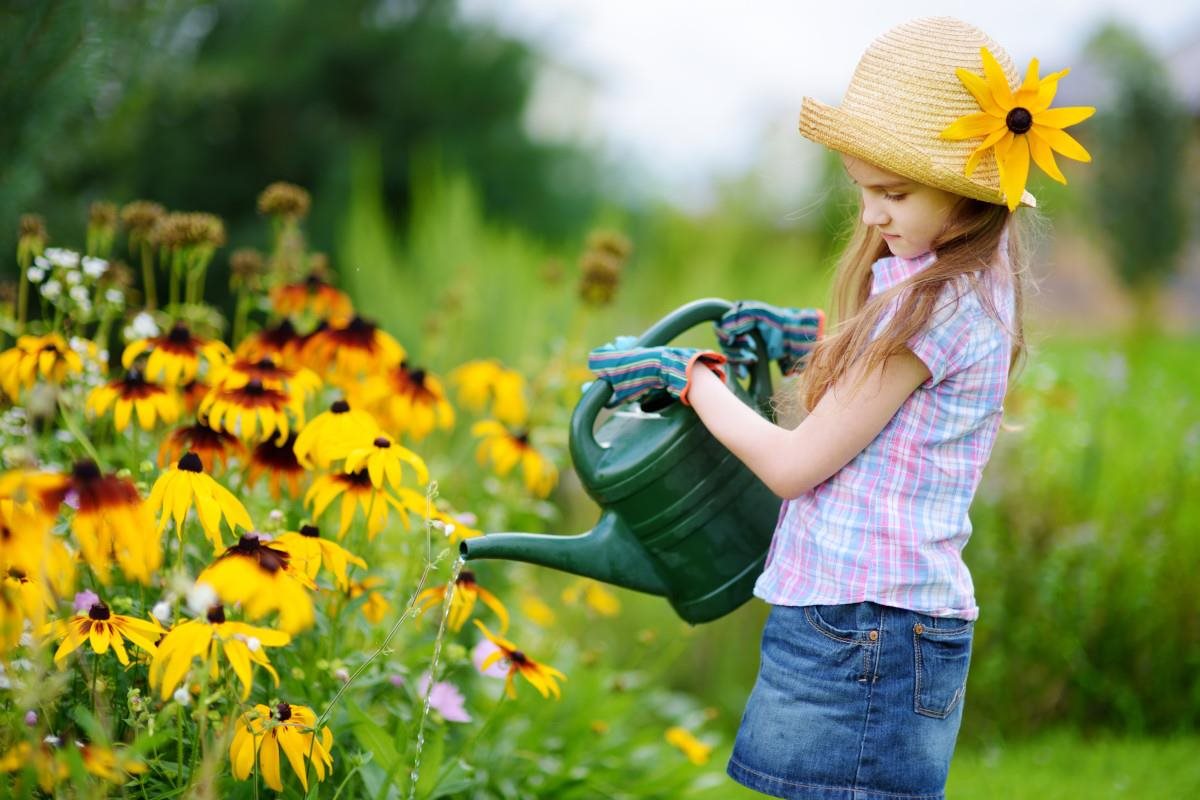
(890, 526)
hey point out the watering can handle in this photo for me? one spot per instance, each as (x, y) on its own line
(682, 319)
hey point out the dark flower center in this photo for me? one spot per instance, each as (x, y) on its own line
(191, 462)
(360, 326)
(382, 441)
(417, 376)
(1019, 120)
(466, 578)
(253, 386)
(134, 377)
(517, 657)
(99, 611)
(310, 531)
(216, 614)
(339, 407)
(360, 478)
(85, 470)
(179, 334)
(268, 558)
(283, 712)
(265, 363)
(522, 438)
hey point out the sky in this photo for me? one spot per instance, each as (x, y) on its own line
(681, 91)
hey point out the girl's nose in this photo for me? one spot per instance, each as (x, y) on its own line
(874, 213)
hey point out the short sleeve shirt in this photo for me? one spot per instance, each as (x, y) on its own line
(891, 525)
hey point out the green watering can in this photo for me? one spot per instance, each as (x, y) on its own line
(681, 517)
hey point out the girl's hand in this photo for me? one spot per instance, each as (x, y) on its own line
(789, 333)
(634, 372)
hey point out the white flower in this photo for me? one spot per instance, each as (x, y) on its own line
(182, 697)
(94, 267)
(252, 644)
(51, 289)
(79, 345)
(162, 612)
(79, 293)
(73, 277)
(114, 296)
(42, 263)
(200, 598)
(143, 326)
(36, 274)
(62, 257)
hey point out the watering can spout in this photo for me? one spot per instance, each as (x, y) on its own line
(608, 552)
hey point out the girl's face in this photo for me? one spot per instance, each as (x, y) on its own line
(910, 215)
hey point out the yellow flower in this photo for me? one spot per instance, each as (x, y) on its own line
(281, 343)
(290, 728)
(48, 357)
(130, 394)
(52, 767)
(351, 350)
(111, 522)
(277, 460)
(175, 356)
(102, 628)
(210, 445)
(355, 489)
(410, 401)
(486, 379)
(598, 598)
(540, 675)
(261, 577)
(376, 606)
(272, 374)
(330, 435)
(1018, 125)
(537, 610)
(382, 458)
(310, 552)
(243, 646)
(466, 590)
(252, 411)
(504, 450)
(30, 552)
(696, 750)
(184, 484)
(314, 295)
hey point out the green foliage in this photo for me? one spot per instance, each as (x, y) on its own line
(1139, 192)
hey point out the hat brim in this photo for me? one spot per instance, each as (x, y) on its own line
(854, 136)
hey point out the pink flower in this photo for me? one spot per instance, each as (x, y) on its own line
(85, 600)
(445, 698)
(481, 651)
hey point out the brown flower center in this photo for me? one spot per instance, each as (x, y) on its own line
(339, 407)
(85, 471)
(382, 442)
(310, 531)
(466, 578)
(99, 611)
(283, 712)
(216, 614)
(191, 462)
(179, 334)
(1019, 120)
(268, 558)
(517, 657)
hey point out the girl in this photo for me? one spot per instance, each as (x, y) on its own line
(867, 643)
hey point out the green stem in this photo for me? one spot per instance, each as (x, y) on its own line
(151, 291)
(241, 315)
(76, 431)
(22, 299)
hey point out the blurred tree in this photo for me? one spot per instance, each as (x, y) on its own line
(1140, 190)
(228, 96)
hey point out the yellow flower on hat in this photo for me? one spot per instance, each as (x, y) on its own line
(1018, 125)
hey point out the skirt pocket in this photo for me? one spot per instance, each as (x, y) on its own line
(943, 656)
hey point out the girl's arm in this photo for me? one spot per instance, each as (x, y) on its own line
(792, 462)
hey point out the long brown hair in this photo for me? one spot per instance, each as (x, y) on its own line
(967, 246)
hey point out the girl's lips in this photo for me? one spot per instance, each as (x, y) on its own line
(891, 236)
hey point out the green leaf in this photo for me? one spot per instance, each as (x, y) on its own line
(431, 762)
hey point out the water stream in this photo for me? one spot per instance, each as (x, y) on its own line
(455, 569)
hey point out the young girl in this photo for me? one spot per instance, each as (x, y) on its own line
(867, 644)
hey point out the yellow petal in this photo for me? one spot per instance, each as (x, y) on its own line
(996, 80)
(978, 87)
(1043, 156)
(972, 125)
(1062, 142)
(1063, 117)
(994, 137)
(1015, 171)
(121, 414)
(268, 762)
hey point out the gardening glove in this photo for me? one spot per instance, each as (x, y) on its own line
(789, 334)
(634, 372)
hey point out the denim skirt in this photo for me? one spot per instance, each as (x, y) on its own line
(854, 702)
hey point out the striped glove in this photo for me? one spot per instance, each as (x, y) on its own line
(634, 372)
(789, 334)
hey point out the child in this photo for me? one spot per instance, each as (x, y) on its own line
(868, 640)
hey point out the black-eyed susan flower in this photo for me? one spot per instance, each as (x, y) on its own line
(192, 393)
(32, 599)
(696, 750)
(48, 357)
(376, 606)
(330, 435)
(350, 350)
(355, 489)
(485, 381)
(212, 446)
(133, 394)
(309, 552)
(279, 342)
(383, 458)
(101, 629)
(1018, 125)
(271, 373)
(504, 449)
(466, 591)
(409, 401)
(265, 731)
(29, 550)
(242, 645)
(594, 595)
(253, 412)
(110, 522)
(185, 485)
(542, 676)
(174, 357)
(278, 462)
(52, 766)
(314, 296)
(260, 575)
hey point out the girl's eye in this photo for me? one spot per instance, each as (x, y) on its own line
(896, 197)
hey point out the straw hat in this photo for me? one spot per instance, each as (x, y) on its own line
(903, 94)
